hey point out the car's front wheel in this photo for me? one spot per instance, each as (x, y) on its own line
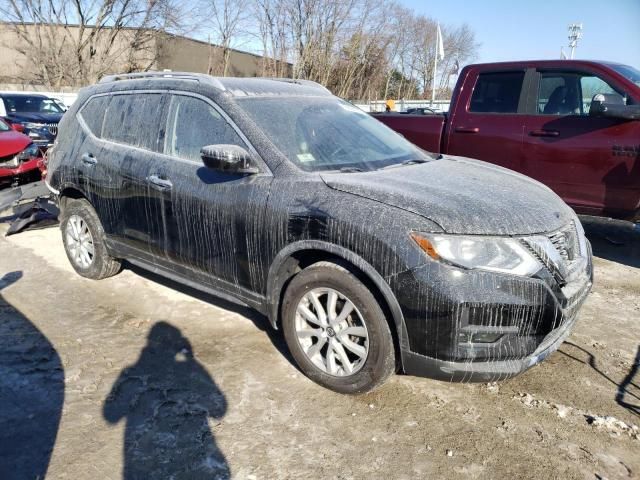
(84, 241)
(336, 330)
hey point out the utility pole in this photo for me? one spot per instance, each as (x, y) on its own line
(575, 34)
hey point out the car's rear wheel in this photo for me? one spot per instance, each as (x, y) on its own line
(84, 241)
(336, 330)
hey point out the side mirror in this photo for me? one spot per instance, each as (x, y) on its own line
(612, 105)
(17, 127)
(227, 158)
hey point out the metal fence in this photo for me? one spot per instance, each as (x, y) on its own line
(404, 105)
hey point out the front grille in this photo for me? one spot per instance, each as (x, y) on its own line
(562, 252)
(53, 128)
(566, 242)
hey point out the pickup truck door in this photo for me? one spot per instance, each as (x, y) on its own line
(593, 163)
(487, 122)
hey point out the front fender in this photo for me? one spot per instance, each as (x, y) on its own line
(281, 270)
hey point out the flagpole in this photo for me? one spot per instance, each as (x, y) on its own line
(435, 69)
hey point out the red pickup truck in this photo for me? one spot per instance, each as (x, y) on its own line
(573, 125)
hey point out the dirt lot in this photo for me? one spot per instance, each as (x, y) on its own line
(137, 377)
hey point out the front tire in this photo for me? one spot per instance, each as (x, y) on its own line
(84, 241)
(336, 330)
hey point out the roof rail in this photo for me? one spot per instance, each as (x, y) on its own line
(299, 81)
(198, 77)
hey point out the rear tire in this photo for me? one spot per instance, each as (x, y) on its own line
(351, 350)
(84, 241)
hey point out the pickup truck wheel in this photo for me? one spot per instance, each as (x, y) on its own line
(83, 238)
(336, 330)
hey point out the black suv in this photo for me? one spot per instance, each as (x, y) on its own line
(371, 254)
(38, 115)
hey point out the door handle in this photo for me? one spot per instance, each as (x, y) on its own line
(159, 183)
(544, 133)
(467, 129)
(88, 159)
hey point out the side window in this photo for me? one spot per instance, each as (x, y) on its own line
(93, 114)
(132, 119)
(497, 92)
(591, 86)
(568, 93)
(192, 124)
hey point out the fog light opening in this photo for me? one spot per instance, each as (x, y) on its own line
(479, 337)
(485, 337)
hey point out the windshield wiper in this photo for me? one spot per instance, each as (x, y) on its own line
(350, 170)
(414, 161)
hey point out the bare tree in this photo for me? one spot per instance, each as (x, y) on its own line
(272, 25)
(75, 42)
(360, 49)
(228, 20)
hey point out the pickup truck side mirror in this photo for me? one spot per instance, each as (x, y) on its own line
(612, 105)
(227, 158)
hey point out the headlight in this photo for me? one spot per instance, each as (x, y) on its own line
(28, 153)
(33, 126)
(11, 163)
(494, 254)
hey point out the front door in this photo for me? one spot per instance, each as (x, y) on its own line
(588, 161)
(487, 124)
(213, 219)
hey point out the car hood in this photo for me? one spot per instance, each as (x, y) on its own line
(35, 117)
(461, 195)
(12, 142)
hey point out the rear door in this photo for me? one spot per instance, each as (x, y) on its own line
(131, 139)
(581, 158)
(487, 123)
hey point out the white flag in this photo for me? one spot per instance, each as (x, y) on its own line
(440, 45)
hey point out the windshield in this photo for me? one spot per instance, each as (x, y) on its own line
(28, 104)
(631, 73)
(325, 133)
(4, 127)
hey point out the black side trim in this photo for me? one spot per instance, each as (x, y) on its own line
(191, 278)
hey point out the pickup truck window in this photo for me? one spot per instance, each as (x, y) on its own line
(569, 93)
(631, 73)
(497, 92)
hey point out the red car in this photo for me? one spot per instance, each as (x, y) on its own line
(573, 125)
(20, 160)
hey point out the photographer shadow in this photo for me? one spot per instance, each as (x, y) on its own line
(170, 404)
(31, 393)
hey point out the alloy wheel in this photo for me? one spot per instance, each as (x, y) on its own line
(332, 332)
(79, 241)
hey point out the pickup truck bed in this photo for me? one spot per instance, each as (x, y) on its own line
(423, 130)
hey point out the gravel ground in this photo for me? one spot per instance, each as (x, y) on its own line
(137, 377)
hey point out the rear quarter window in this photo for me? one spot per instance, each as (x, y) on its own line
(497, 92)
(93, 114)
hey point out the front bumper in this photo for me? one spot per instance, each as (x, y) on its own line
(445, 307)
(484, 371)
(24, 173)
